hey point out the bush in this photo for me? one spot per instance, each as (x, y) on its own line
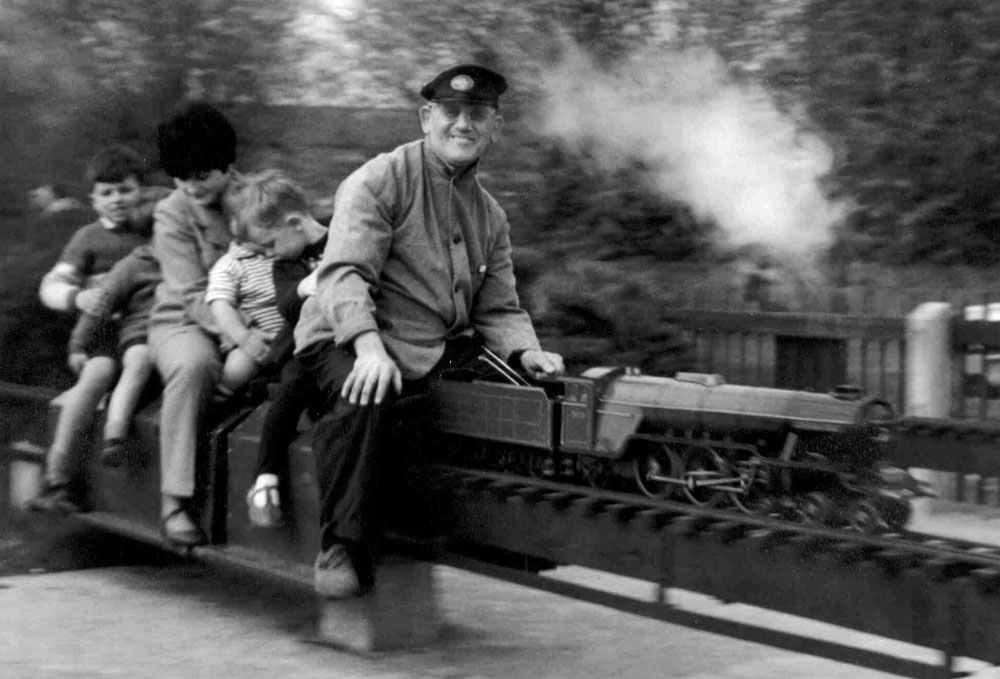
(607, 216)
(595, 313)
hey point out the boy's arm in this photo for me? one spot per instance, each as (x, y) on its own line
(180, 262)
(231, 325)
(221, 296)
(60, 286)
(135, 271)
(112, 294)
(229, 321)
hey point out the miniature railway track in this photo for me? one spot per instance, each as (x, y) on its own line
(925, 590)
(626, 507)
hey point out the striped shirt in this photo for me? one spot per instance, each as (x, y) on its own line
(244, 278)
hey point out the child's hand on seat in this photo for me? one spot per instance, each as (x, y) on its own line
(76, 361)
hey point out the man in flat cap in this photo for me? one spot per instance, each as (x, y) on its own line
(416, 277)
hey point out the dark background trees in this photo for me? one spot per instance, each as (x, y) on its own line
(900, 96)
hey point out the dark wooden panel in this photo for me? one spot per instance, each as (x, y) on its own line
(831, 326)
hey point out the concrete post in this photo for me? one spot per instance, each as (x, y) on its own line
(929, 360)
(929, 380)
(25, 472)
(401, 612)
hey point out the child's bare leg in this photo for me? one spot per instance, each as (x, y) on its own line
(78, 406)
(136, 369)
(238, 369)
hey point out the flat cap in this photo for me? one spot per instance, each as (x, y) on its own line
(467, 82)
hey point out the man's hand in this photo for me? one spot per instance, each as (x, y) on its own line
(93, 302)
(539, 363)
(76, 361)
(373, 373)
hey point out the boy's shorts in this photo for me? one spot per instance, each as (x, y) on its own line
(128, 344)
(105, 342)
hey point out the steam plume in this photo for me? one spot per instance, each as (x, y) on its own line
(723, 148)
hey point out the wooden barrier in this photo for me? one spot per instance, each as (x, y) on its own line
(920, 364)
(801, 351)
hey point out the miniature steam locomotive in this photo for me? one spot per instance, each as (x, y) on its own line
(809, 456)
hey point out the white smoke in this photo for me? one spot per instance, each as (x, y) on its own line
(722, 147)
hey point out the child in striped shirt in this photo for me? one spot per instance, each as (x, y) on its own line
(241, 293)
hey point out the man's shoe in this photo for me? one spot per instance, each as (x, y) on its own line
(54, 500)
(334, 576)
(181, 534)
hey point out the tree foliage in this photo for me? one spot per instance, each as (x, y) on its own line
(911, 92)
(78, 73)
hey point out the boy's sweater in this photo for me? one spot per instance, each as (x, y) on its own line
(128, 288)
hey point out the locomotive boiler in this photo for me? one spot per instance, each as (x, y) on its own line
(809, 456)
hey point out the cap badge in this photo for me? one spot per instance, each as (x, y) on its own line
(461, 83)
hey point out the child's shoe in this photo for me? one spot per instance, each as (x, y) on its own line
(113, 453)
(54, 500)
(264, 503)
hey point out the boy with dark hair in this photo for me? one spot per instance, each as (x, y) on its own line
(115, 174)
(197, 146)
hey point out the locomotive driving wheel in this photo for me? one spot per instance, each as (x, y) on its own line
(597, 472)
(752, 498)
(864, 517)
(816, 509)
(654, 463)
(709, 477)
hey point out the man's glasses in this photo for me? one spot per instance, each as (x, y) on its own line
(478, 113)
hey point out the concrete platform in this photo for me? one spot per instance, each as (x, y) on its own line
(194, 621)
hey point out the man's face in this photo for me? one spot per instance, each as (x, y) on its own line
(458, 132)
(115, 201)
(204, 188)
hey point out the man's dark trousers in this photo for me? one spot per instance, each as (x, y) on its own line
(348, 443)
